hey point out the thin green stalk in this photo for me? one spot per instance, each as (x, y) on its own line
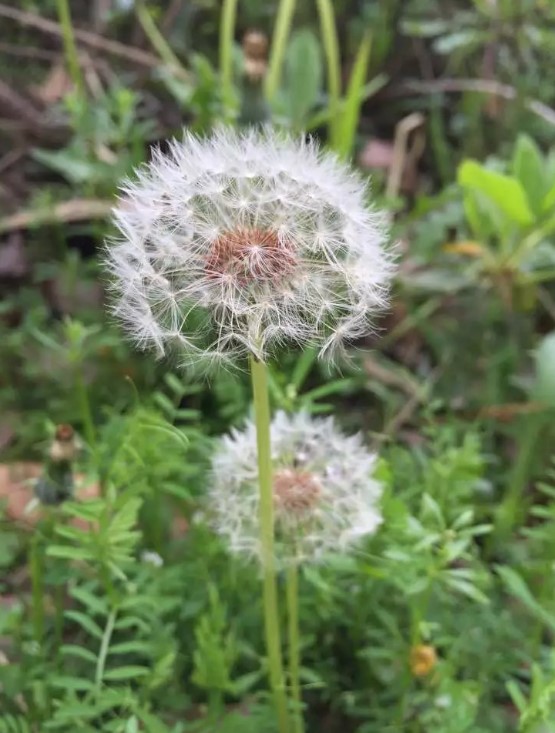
(282, 29)
(292, 590)
(70, 48)
(511, 510)
(36, 570)
(259, 375)
(331, 49)
(159, 43)
(85, 408)
(227, 34)
(104, 647)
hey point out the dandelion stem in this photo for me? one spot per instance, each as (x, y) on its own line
(259, 374)
(36, 571)
(70, 49)
(227, 34)
(292, 590)
(277, 51)
(85, 408)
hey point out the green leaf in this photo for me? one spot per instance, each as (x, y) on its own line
(80, 652)
(125, 673)
(504, 191)
(303, 74)
(528, 167)
(67, 552)
(516, 585)
(93, 603)
(85, 622)
(71, 683)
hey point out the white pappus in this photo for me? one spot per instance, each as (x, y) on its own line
(237, 243)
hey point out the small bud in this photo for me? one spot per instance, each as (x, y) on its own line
(255, 50)
(423, 659)
(64, 447)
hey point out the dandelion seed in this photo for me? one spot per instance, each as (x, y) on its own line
(325, 496)
(232, 245)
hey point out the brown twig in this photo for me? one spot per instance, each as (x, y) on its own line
(67, 211)
(481, 86)
(138, 56)
(28, 52)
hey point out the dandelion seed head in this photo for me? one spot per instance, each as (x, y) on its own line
(325, 495)
(238, 243)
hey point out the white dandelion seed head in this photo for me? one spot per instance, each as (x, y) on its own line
(325, 495)
(237, 243)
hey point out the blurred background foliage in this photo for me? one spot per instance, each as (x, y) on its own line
(119, 610)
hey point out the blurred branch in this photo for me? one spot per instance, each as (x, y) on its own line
(481, 86)
(67, 211)
(93, 40)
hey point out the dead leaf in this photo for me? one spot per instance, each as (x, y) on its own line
(377, 154)
(56, 85)
(13, 258)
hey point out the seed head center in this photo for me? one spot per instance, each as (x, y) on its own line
(295, 492)
(250, 255)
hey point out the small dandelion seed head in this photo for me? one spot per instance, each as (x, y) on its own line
(235, 244)
(325, 495)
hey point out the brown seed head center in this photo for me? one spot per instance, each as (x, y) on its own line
(250, 255)
(295, 492)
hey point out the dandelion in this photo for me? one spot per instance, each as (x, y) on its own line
(233, 245)
(324, 492)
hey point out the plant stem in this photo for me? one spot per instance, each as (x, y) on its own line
(511, 510)
(70, 49)
(85, 408)
(104, 646)
(159, 43)
(331, 49)
(36, 570)
(292, 590)
(259, 374)
(227, 34)
(279, 41)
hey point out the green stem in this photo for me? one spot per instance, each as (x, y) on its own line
(70, 49)
(85, 408)
(259, 374)
(333, 61)
(227, 35)
(104, 647)
(159, 43)
(36, 569)
(292, 590)
(511, 510)
(279, 42)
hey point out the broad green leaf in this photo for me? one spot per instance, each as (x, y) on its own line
(528, 167)
(504, 191)
(303, 68)
(544, 385)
